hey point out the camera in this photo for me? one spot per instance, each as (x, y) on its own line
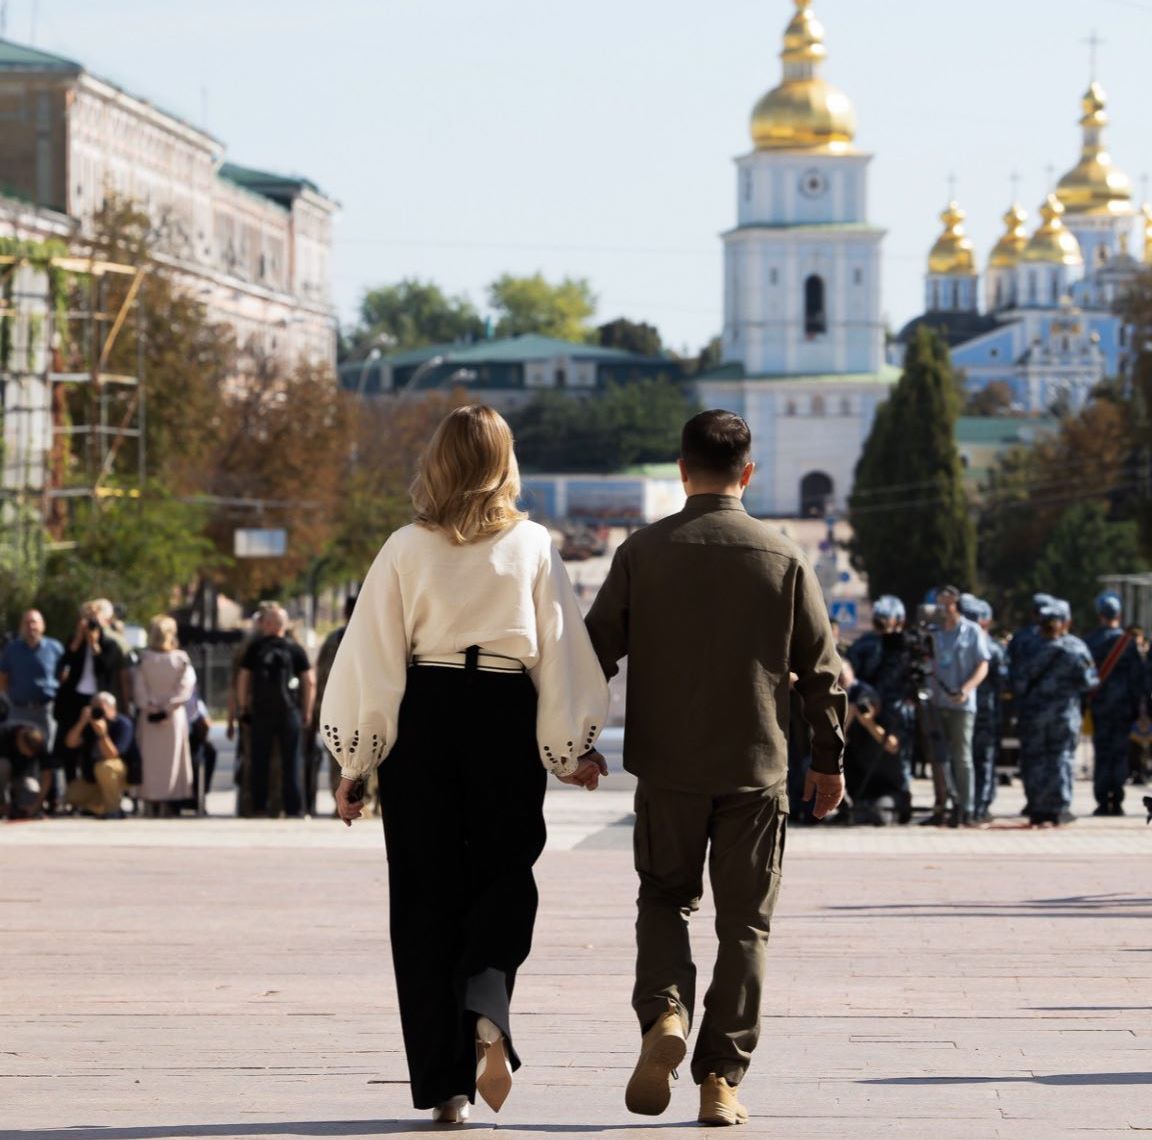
(98, 712)
(93, 624)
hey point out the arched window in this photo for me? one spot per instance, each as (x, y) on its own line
(955, 296)
(1055, 288)
(815, 318)
(790, 408)
(845, 407)
(817, 405)
(999, 293)
(815, 494)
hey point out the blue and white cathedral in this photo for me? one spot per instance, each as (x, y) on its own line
(1047, 325)
(804, 353)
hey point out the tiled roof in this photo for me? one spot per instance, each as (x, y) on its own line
(17, 57)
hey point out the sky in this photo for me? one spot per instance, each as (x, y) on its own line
(469, 138)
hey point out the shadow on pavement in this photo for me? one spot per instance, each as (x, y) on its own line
(1051, 1079)
(345, 1128)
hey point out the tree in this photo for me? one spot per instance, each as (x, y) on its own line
(909, 511)
(138, 551)
(993, 399)
(1089, 462)
(1083, 546)
(534, 305)
(629, 424)
(412, 314)
(631, 337)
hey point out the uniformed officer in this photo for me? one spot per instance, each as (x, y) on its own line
(1049, 685)
(1114, 705)
(989, 721)
(879, 660)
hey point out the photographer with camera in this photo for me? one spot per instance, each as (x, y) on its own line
(93, 662)
(878, 760)
(104, 739)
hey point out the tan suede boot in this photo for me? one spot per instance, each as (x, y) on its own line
(661, 1050)
(718, 1103)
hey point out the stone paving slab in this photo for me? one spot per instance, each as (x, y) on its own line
(923, 984)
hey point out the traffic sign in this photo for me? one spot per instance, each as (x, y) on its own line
(846, 612)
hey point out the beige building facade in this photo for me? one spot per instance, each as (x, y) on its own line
(253, 246)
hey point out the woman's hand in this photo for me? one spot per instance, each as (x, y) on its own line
(349, 800)
(588, 771)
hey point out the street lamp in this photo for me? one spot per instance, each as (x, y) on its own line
(369, 360)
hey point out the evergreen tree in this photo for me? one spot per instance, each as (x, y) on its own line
(909, 512)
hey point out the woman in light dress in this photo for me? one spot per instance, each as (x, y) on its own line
(465, 675)
(164, 681)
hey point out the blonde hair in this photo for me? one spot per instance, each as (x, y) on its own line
(162, 634)
(468, 482)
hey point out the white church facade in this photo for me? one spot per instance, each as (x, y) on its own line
(803, 339)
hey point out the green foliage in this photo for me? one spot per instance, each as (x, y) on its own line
(631, 336)
(136, 551)
(534, 305)
(629, 424)
(1083, 546)
(1086, 467)
(909, 511)
(412, 314)
(994, 399)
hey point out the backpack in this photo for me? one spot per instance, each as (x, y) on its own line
(273, 674)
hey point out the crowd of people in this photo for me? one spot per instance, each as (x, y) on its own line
(94, 726)
(91, 724)
(947, 696)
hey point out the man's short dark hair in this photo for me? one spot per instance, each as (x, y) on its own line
(716, 444)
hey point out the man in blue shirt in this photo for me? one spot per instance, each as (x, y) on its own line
(28, 674)
(960, 664)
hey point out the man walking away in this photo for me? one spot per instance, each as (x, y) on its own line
(276, 687)
(714, 610)
(1114, 704)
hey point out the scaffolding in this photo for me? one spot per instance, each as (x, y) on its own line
(72, 398)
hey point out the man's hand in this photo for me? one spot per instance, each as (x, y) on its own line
(827, 791)
(348, 808)
(588, 772)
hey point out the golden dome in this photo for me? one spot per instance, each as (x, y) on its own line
(804, 112)
(952, 255)
(1147, 213)
(1006, 252)
(1094, 185)
(1053, 243)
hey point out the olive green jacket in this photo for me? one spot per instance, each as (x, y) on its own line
(714, 610)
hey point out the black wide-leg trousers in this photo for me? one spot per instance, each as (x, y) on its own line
(462, 794)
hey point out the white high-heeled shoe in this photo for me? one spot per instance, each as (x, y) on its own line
(493, 1071)
(452, 1111)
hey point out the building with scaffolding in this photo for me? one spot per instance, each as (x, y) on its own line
(72, 401)
(252, 246)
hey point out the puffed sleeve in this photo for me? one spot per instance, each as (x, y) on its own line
(185, 683)
(361, 706)
(573, 695)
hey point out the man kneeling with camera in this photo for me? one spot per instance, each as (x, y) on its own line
(104, 738)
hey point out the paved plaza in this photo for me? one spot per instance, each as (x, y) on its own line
(222, 978)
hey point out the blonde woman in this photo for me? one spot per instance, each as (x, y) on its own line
(466, 675)
(164, 681)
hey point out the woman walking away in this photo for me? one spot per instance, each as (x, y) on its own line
(465, 674)
(164, 681)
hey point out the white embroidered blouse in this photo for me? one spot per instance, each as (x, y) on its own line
(425, 596)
